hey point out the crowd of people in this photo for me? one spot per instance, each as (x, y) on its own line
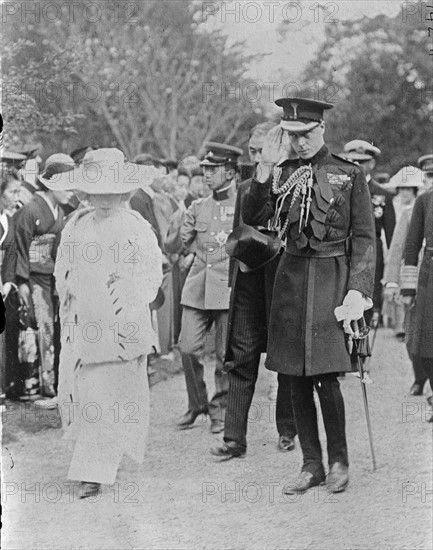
(108, 264)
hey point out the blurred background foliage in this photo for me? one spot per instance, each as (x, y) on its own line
(149, 76)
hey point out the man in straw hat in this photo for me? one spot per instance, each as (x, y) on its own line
(107, 273)
(365, 154)
(206, 295)
(321, 205)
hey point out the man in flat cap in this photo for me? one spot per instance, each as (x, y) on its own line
(365, 154)
(321, 205)
(206, 294)
(246, 336)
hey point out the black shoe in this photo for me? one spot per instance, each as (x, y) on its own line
(337, 478)
(303, 483)
(189, 418)
(216, 426)
(286, 443)
(417, 388)
(228, 451)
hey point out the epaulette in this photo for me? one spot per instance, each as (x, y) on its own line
(344, 160)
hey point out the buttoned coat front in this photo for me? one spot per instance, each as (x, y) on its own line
(207, 224)
(304, 337)
(420, 333)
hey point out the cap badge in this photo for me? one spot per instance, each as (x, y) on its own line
(295, 110)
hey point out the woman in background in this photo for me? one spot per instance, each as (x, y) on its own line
(37, 234)
(9, 197)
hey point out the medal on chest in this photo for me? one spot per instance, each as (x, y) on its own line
(221, 238)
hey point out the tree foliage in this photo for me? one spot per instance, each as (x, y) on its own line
(379, 73)
(143, 76)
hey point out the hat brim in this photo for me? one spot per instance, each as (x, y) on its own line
(207, 162)
(115, 181)
(11, 156)
(252, 247)
(357, 156)
(296, 126)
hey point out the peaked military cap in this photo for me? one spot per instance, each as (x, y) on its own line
(12, 159)
(426, 162)
(360, 150)
(301, 114)
(220, 154)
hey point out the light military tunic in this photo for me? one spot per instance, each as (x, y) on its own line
(208, 223)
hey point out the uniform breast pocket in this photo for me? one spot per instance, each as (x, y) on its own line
(338, 198)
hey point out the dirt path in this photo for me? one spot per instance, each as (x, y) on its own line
(181, 498)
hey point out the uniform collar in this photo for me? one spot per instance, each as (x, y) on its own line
(224, 193)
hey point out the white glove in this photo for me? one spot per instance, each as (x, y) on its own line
(352, 309)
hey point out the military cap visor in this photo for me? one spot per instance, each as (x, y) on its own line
(426, 163)
(220, 154)
(10, 156)
(301, 115)
(360, 150)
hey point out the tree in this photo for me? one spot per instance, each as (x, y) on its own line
(378, 72)
(148, 77)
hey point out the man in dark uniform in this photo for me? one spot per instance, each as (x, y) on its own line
(365, 154)
(417, 284)
(246, 337)
(328, 261)
(206, 294)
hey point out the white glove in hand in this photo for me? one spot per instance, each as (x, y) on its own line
(352, 309)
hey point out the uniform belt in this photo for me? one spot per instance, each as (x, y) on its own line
(327, 249)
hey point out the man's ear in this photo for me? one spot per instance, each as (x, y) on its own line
(230, 173)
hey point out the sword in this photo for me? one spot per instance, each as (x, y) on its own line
(359, 327)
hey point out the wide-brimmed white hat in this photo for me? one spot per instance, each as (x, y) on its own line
(408, 176)
(103, 171)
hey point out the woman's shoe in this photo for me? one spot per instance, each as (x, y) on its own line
(89, 489)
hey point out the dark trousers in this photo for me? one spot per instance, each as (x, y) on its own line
(247, 339)
(332, 405)
(242, 382)
(426, 364)
(196, 324)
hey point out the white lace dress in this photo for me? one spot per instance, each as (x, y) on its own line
(107, 272)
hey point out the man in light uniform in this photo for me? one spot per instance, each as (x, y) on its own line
(206, 294)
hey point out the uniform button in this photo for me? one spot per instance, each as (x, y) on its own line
(211, 249)
(212, 233)
(209, 266)
(215, 218)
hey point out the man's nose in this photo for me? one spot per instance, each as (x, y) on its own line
(257, 157)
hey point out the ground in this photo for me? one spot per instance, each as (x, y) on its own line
(183, 498)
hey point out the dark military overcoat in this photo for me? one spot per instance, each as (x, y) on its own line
(335, 252)
(420, 331)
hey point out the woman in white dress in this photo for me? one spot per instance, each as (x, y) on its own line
(108, 270)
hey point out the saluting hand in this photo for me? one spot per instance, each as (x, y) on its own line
(274, 150)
